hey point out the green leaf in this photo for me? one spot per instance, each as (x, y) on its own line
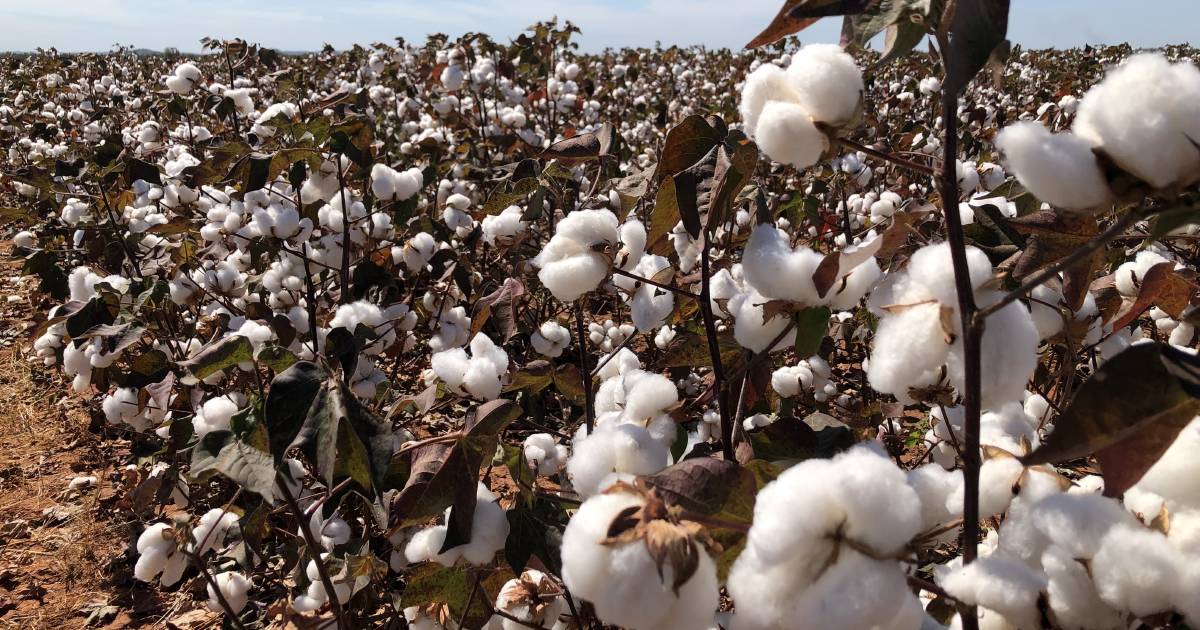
(288, 401)
(1127, 414)
(276, 357)
(221, 354)
(237, 459)
(811, 325)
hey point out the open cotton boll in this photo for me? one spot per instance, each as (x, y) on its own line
(214, 415)
(1137, 570)
(315, 596)
(1129, 275)
(790, 380)
(544, 453)
(786, 133)
(908, 349)
(569, 267)
(212, 529)
(533, 598)
(623, 361)
(550, 339)
(935, 485)
(1071, 594)
(624, 582)
(1003, 585)
(1058, 168)
(633, 244)
(504, 227)
(489, 528)
(776, 270)
(1142, 115)
(794, 567)
(478, 375)
(1009, 351)
(613, 448)
(750, 331)
(828, 82)
(767, 83)
(650, 305)
(640, 398)
(235, 589)
(159, 553)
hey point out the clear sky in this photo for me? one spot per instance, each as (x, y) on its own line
(78, 25)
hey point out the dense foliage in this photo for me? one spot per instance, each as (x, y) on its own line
(472, 334)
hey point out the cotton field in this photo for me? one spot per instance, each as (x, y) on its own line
(470, 333)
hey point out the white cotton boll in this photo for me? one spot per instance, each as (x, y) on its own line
(25, 239)
(550, 339)
(383, 182)
(1142, 114)
(750, 331)
(650, 305)
(909, 347)
(623, 581)
(478, 375)
(785, 574)
(1072, 595)
(935, 485)
(828, 82)
(614, 448)
(998, 477)
(786, 133)
(504, 227)
(776, 270)
(789, 381)
(1003, 585)
(212, 529)
(767, 83)
(214, 415)
(640, 398)
(544, 453)
(1059, 169)
(1079, 522)
(159, 554)
(623, 361)
(851, 286)
(1128, 277)
(1009, 350)
(633, 244)
(489, 529)
(424, 546)
(569, 267)
(532, 598)
(235, 589)
(418, 251)
(1137, 570)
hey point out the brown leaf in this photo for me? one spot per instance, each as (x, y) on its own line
(1162, 286)
(585, 146)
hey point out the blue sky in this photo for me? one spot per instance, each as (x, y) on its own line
(75, 25)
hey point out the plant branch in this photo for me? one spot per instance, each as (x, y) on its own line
(314, 551)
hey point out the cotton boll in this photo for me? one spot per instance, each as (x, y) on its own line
(790, 381)
(615, 448)
(1059, 169)
(1079, 522)
(767, 83)
(214, 415)
(550, 339)
(1009, 348)
(998, 477)
(210, 532)
(908, 350)
(785, 572)
(1128, 277)
(489, 528)
(533, 598)
(1136, 570)
(569, 267)
(935, 485)
(504, 227)
(623, 581)
(544, 453)
(786, 133)
(478, 375)
(750, 331)
(1141, 115)
(776, 270)
(639, 398)
(828, 82)
(1072, 596)
(650, 305)
(234, 588)
(1006, 586)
